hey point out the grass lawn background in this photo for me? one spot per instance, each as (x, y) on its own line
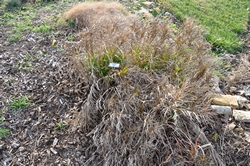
(223, 20)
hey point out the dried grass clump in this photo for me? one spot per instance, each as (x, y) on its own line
(151, 110)
(89, 13)
(153, 45)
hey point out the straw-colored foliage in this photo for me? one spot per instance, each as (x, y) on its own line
(149, 111)
(89, 14)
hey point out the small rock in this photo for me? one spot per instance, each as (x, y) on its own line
(228, 100)
(225, 100)
(226, 110)
(243, 116)
(241, 99)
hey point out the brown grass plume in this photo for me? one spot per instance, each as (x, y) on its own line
(90, 13)
(148, 112)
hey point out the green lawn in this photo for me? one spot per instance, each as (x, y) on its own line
(223, 20)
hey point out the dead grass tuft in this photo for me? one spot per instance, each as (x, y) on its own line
(151, 110)
(89, 13)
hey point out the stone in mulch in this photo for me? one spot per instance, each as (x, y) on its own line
(226, 103)
(229, 100)
(240, 115)
(225, 110)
